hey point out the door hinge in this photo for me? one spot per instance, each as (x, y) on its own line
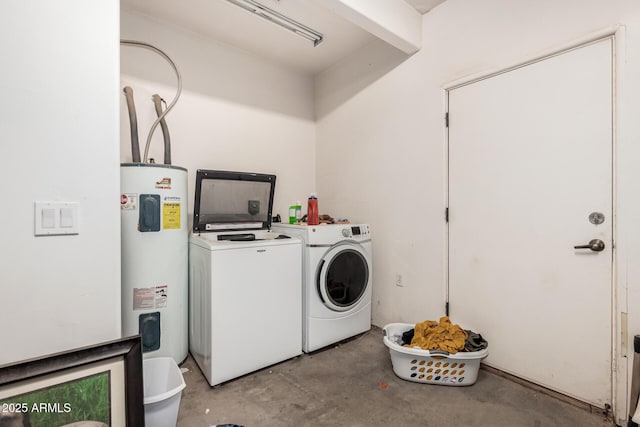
(446, 214)
(446, 119)
(446, 308)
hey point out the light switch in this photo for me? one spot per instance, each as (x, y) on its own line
(66, 217)
(48, 218)
(56, 218)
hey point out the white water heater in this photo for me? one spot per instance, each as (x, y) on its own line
(155, 257)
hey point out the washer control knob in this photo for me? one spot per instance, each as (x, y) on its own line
(346, 232)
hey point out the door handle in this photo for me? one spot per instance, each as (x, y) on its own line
(595, 245)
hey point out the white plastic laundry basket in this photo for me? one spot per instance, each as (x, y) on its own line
(431, 367)
(163, 384)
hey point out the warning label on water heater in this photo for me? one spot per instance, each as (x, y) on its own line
(128, 202)
(150, 298)
(171, 216)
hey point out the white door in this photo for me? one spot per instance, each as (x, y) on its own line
(530, 177)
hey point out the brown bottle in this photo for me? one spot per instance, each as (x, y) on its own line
(313, 217)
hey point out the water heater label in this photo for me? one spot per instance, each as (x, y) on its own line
(164, 184)
(150, 298)
(128, 202)
(170, 216)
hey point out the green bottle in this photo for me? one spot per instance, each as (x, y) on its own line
(292, 214)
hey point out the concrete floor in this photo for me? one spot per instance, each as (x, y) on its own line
(352, 384)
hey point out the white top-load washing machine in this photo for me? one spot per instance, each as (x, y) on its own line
(244, 280)
(337, 281)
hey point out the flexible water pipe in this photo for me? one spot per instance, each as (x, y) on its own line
(133, 124)
(175, 99)
(157, 102)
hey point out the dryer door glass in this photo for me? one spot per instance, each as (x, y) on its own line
(343, 278)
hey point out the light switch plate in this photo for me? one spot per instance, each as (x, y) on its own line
(56, 218)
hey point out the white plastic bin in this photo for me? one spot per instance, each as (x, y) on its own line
(163, 384)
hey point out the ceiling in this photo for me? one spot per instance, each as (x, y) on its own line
(229, 24)
(424, 6)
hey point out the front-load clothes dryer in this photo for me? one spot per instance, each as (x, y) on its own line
(245, 287)
(337, 281)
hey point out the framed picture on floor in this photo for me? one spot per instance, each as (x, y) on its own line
(100, 385)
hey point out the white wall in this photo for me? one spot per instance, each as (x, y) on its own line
(59, 127)
(389, 174)
(395, 126)
(237, 111)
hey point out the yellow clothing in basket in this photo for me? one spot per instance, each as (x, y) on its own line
(431, 335)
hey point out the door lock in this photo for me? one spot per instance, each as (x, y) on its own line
(595, 245)
(596, 218)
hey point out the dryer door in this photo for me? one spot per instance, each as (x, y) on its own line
(343, 276)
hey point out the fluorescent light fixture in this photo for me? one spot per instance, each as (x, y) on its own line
(279, 19)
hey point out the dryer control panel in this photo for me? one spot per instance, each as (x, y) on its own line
(326, 234)
(356, 231)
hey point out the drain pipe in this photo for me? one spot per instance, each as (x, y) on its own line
(133, 124)
(157, 101)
